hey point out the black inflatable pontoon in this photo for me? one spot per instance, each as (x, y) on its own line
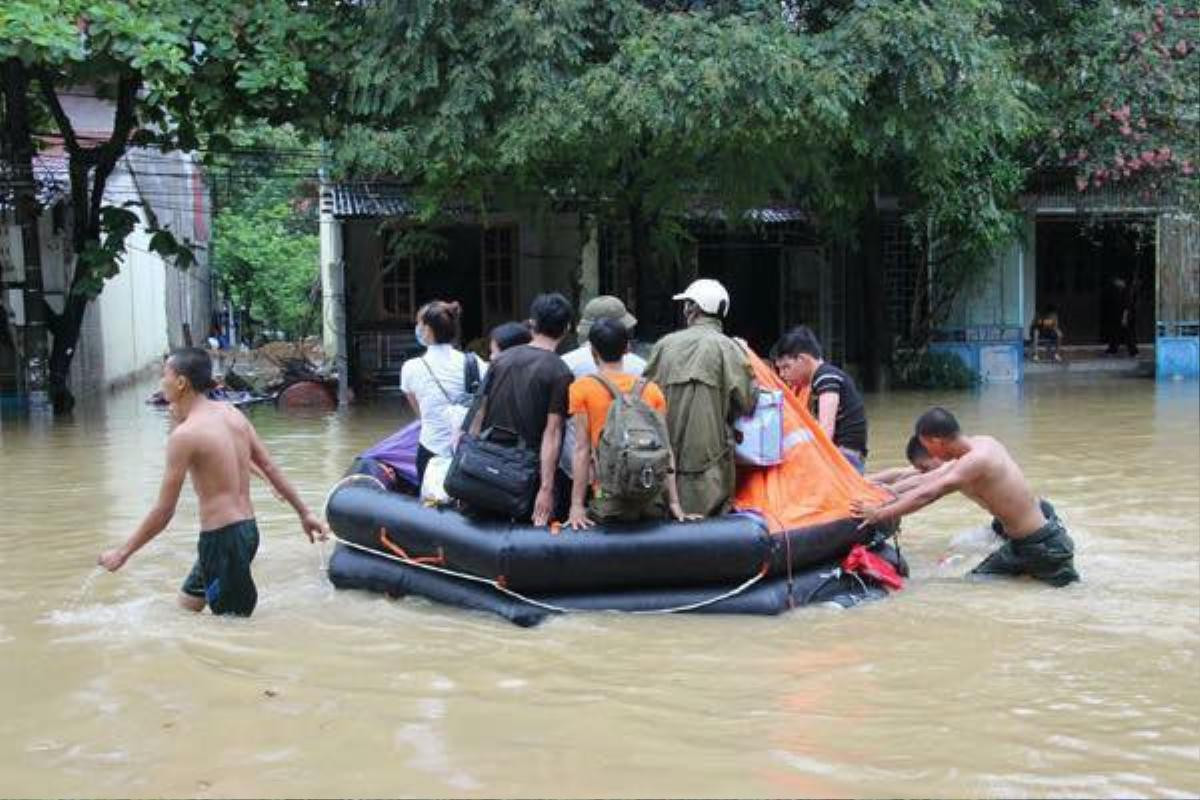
(393, 544)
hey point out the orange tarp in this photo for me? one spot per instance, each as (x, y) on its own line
(815, 483)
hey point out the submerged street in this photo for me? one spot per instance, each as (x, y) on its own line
(945, 689)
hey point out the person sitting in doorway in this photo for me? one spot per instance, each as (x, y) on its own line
(642, 412)
(1046, 329)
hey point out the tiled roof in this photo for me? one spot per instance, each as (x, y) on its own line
(776, 214)
(378, 199)
(767, 215)
(366, 200)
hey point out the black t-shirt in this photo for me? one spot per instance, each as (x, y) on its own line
(850, 426)
(525, 384)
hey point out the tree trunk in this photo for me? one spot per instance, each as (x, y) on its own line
(86, 164)
(66, 328)
(877, 345)
(640, 259)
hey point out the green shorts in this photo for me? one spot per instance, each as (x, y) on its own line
(221, 575)
(1047, 554)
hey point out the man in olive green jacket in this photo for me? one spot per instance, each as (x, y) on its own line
(707, 380)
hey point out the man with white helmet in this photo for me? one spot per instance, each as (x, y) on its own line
(708, 383)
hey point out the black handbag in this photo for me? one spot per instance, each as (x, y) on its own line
(495, 470)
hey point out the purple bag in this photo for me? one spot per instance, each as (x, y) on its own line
(399, 451)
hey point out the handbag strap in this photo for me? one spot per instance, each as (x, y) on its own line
(435, 380)
(474, 420)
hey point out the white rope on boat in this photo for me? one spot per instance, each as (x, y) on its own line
(549, 606)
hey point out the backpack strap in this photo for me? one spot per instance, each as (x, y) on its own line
(470, 373)
(612, 388)
(639, 388)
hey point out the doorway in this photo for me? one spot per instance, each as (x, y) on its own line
(1077, 261)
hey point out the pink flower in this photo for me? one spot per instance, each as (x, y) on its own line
(1081, 184)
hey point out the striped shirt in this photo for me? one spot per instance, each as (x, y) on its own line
(850, 426)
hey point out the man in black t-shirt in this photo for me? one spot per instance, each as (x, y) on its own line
(839, 407)
(527, 396)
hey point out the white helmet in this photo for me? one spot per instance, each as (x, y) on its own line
(710, 295)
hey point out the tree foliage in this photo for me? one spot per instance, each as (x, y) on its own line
(647, 112)
(1121, 97)
(265, 244)
(179, 74)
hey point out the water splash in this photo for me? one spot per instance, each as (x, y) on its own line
(85, 588)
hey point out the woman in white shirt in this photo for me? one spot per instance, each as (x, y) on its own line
(436, 382)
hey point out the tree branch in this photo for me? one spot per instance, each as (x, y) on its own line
(109, 153)
(46, 81)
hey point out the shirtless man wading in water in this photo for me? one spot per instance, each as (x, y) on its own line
(218, 447)
(981, 468)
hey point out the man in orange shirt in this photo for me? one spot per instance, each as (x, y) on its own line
(588, 404)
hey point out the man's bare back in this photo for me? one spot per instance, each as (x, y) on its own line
(217, 440)
(980, 468)
(990, 477)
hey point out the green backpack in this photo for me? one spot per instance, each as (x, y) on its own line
(633, 456)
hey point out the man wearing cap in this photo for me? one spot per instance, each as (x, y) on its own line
(581, 362)
(708, 383)
(604, 306)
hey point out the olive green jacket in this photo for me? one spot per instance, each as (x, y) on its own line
(708, 382)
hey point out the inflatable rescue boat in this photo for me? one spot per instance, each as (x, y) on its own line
(791, 543)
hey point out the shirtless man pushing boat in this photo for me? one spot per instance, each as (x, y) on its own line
(217, 446)
(982, 469)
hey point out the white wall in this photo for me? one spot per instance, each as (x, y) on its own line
(1002, 294)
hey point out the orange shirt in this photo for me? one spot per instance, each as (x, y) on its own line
(588, 396)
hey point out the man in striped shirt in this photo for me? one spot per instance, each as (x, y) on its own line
(838, 405)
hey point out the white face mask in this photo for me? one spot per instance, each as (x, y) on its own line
(420, 339)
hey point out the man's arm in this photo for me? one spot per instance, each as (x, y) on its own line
(887, 477)
(919, 478)
(179, 455)
(580, 463)
(827, 408)
(543, 506)
(313, 528)
(935, 485)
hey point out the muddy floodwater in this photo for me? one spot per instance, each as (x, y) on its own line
(945, 689)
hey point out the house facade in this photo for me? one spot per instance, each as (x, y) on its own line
(148, 308)
(494, 264)
(1065, 257)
